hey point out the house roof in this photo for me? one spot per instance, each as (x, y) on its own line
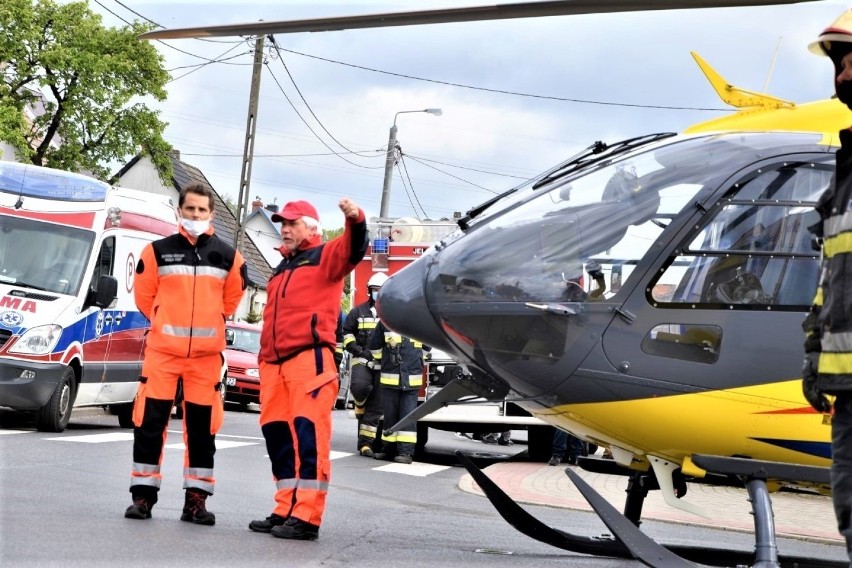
(266, 214)
(224, 222)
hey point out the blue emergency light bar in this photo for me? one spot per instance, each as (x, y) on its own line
(45, 183)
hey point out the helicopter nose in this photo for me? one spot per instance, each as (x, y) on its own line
(403, 307)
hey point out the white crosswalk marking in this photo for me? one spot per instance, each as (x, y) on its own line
(96, 438)
(220, 445)
(415, 469)
(15, 432)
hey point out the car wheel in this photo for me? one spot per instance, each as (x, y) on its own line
(55, 415)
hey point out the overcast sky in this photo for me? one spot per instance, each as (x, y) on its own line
(485, 142)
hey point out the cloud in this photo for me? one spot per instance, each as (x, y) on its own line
(490, 140)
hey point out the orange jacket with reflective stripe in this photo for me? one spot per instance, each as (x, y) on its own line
(187, 291)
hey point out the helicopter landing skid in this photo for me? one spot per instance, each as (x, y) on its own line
(629, 541)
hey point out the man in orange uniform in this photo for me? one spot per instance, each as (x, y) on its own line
(298, 379)
(186, 285)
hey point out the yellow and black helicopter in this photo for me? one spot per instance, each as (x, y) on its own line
(646, 295)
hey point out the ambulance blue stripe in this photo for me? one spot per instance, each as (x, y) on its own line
(84, 330)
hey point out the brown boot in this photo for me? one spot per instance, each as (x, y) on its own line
(195, 508)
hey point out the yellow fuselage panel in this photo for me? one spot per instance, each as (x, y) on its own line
(827, 116)
(766, 422)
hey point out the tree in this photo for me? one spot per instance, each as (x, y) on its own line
(327, 235)
(89, 79)
(230, 203)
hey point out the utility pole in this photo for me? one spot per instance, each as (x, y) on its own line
(391, 159)
(248, 148)
(389, 162)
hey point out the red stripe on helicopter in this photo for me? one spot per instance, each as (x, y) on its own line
(801, 410)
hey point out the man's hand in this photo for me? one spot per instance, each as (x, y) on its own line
(349, 209)
(814, 396)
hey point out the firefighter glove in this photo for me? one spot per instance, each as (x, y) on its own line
(815, 397)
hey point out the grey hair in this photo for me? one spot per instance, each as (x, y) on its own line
(311, 222)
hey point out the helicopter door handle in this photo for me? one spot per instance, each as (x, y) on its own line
(625, 315)
(557, 309)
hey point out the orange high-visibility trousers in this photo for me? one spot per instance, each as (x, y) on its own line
(296, 400)
(202, 417)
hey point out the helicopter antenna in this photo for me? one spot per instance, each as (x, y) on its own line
(772, 65)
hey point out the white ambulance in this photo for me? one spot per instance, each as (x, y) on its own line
(70, 332)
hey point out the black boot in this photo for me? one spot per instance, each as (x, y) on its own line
(195, 508)
(144, 498)
(266, 525)
(296, 529)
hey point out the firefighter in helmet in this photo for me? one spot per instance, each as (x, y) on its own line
(364, 384)
(828, 354)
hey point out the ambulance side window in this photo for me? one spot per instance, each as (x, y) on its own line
(105, 265)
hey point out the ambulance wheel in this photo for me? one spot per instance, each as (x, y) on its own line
(55, 415)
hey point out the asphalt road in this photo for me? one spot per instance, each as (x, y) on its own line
(62, 499)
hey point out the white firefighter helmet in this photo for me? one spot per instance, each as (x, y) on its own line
(377, 279)
(839, 31)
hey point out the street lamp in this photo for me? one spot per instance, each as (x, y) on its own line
(383, 211)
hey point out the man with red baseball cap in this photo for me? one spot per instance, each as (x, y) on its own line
(298, 375)
(828, 352)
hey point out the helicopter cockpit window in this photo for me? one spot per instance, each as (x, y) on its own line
(541, 250)
(755, 248)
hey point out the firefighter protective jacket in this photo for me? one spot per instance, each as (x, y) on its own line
(303, 295)
(359, 324)
(401, 358)
(829, 325)
(187, 291)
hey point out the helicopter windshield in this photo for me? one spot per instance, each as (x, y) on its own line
(549, 245)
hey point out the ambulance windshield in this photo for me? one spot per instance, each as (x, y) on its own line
(44, 256)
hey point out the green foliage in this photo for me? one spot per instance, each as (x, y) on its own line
(254, 317)
(328, 234)
(230, 203)
(91, 82)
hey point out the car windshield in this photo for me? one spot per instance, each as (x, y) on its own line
(44, 256)
(247, 340)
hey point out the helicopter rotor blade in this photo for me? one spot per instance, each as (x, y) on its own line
(450, 15)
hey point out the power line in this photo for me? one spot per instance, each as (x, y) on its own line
(502, 91)
(220, 59)
(293, 81)
(414, 193)
(149, 20)
(280, 88)
(452, 176)
(205, 64)
(421, 160)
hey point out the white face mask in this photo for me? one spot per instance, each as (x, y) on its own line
(195, 228)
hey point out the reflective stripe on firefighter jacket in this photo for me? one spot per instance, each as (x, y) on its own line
(187, 291)
(401, 358)
(829, 326)
(359, 324)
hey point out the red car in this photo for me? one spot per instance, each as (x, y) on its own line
(242, 383)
